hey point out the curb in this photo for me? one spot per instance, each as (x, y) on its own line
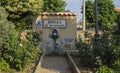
(38, 67)
(72, 63)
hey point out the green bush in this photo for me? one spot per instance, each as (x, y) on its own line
(20, 53)
(116, 47)
(103, 49)
(103, 53)
(116, 66)
(16, 54)
(4, 66)
(34, 37)
(85, 50)
(103, 69)
(6, 29)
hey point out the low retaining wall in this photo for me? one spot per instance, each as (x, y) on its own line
(38, 67)
(68, 57)
(72, 63)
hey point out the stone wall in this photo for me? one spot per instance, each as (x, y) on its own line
(67, 35)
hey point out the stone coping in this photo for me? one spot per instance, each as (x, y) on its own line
(68, 57)
(38, 67)
(72, 63)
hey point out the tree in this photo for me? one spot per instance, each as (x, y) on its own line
(118, 22)
(54, 5)
(16, 54)
(6, 27)
(106, 13)
(90, 17)
(22, 10)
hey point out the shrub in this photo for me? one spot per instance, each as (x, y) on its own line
(4, 66)
(106, 51)
(85, 50)
(116, 47)
(6, 29)
(116, 66)
(18, 54)
(103, 69)
(103, 49)
(34, 37)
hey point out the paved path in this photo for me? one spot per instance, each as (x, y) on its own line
(55, 64)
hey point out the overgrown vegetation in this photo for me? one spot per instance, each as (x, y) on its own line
(106, 14)
(103, 55)
(16, 54)
(118, 22)
(15, 17)
(21, 12)
(54, 5)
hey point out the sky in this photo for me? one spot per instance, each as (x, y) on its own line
(75, 6)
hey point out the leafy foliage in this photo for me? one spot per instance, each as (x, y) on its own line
(34, 37)
(4, 66)
(16, 54)
(104, 69)
(103, 54)
(90, 11)
(116, 65)
(118, 22)
(85, 50)
(6, 27)
(19, 54)
(106, 13)
(22, 11)
(19, 8)
(54, 6)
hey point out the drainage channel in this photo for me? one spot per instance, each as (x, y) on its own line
(55, 64)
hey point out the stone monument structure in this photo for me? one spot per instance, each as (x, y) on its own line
(65, 25)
